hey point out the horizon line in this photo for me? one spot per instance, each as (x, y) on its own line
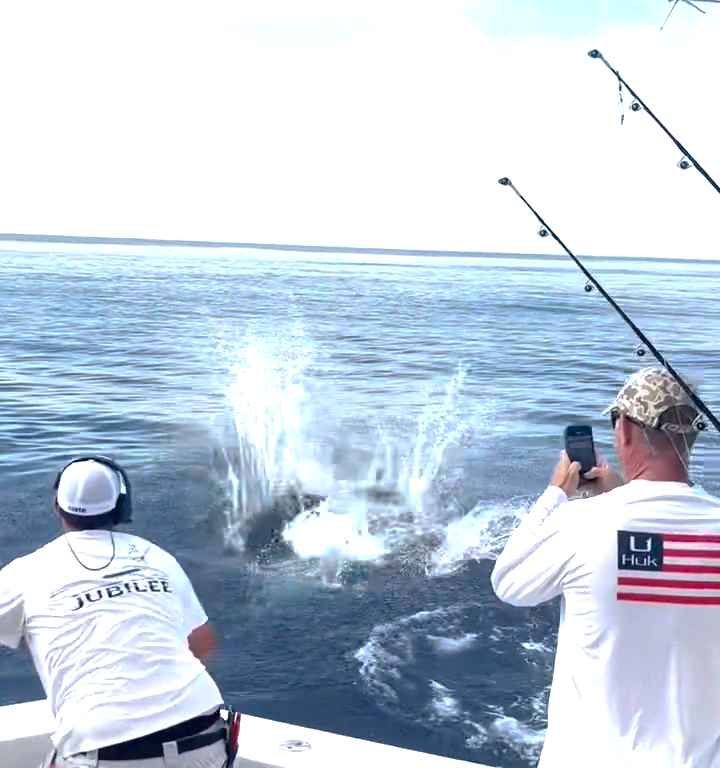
(9, 237)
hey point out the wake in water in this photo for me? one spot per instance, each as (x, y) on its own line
(437, 667)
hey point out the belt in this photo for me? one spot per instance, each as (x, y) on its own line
(188, 736)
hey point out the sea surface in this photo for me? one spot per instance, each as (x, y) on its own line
(425, 396)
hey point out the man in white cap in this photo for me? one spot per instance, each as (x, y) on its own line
(116, 633)
(637, 669)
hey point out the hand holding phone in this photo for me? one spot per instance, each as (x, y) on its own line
(580, 447)
(566, 475)
(605, 478)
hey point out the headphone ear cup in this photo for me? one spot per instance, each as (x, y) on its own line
(119, 516)
(124, 505)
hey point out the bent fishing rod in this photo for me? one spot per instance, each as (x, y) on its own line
(592, 281)
(687, 160)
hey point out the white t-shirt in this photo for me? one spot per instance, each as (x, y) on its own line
(637, 669)
(110, 645)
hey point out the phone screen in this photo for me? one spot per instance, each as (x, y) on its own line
(580, 447)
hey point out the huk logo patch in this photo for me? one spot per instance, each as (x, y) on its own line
(669, 568)
(640, 551)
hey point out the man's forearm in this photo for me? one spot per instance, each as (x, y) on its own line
(529, 569)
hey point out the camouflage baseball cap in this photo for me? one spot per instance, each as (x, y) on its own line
(648, 394)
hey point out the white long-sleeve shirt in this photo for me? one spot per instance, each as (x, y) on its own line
(636, 682)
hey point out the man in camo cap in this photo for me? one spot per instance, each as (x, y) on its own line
(637, 667)
(654, 398)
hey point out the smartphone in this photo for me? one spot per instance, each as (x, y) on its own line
(580, 447)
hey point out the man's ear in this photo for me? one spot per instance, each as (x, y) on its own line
(624, 430)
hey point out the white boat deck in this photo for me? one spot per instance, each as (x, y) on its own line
(25, 740)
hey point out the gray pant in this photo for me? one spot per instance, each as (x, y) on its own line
(212, 756)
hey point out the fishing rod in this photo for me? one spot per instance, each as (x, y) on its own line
(592, 281)
(687, 160)
(692, 4)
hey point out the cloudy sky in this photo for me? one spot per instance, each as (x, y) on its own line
(381, 123)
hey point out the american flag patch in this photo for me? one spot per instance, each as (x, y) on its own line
(672, 568)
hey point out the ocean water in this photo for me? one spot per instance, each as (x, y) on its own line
(424, 396)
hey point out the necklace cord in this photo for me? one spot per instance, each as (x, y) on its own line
(87, 567)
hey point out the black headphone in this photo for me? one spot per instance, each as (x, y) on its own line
(122, 513)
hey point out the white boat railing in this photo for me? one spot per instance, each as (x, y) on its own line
(25, 740)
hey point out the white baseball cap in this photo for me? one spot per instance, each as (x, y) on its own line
(88, 488)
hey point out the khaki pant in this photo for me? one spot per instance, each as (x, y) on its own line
(212, 756)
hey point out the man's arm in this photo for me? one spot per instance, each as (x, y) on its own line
(203, 641)
(201, 637)
(533, 564)
(12, 609)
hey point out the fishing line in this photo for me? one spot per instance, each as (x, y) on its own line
(592, 281)
(687, 2)
(670, 13)
(687, 160)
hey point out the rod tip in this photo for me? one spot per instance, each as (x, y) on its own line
(504, 181)
(595, 54)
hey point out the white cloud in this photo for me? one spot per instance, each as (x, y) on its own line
(355, 123)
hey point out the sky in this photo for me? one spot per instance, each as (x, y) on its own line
(370, 123)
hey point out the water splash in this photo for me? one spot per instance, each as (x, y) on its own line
(384, 471)
(408, 461)
(335, 532)
(479, 535)
(399, 494)
(263, 449)
(439, 426)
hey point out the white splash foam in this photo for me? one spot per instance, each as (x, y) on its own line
(479, 739)
(322, 533)
(537, 647)
(523, 738)
(443, 705)
(451, 645)
(479, 535)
